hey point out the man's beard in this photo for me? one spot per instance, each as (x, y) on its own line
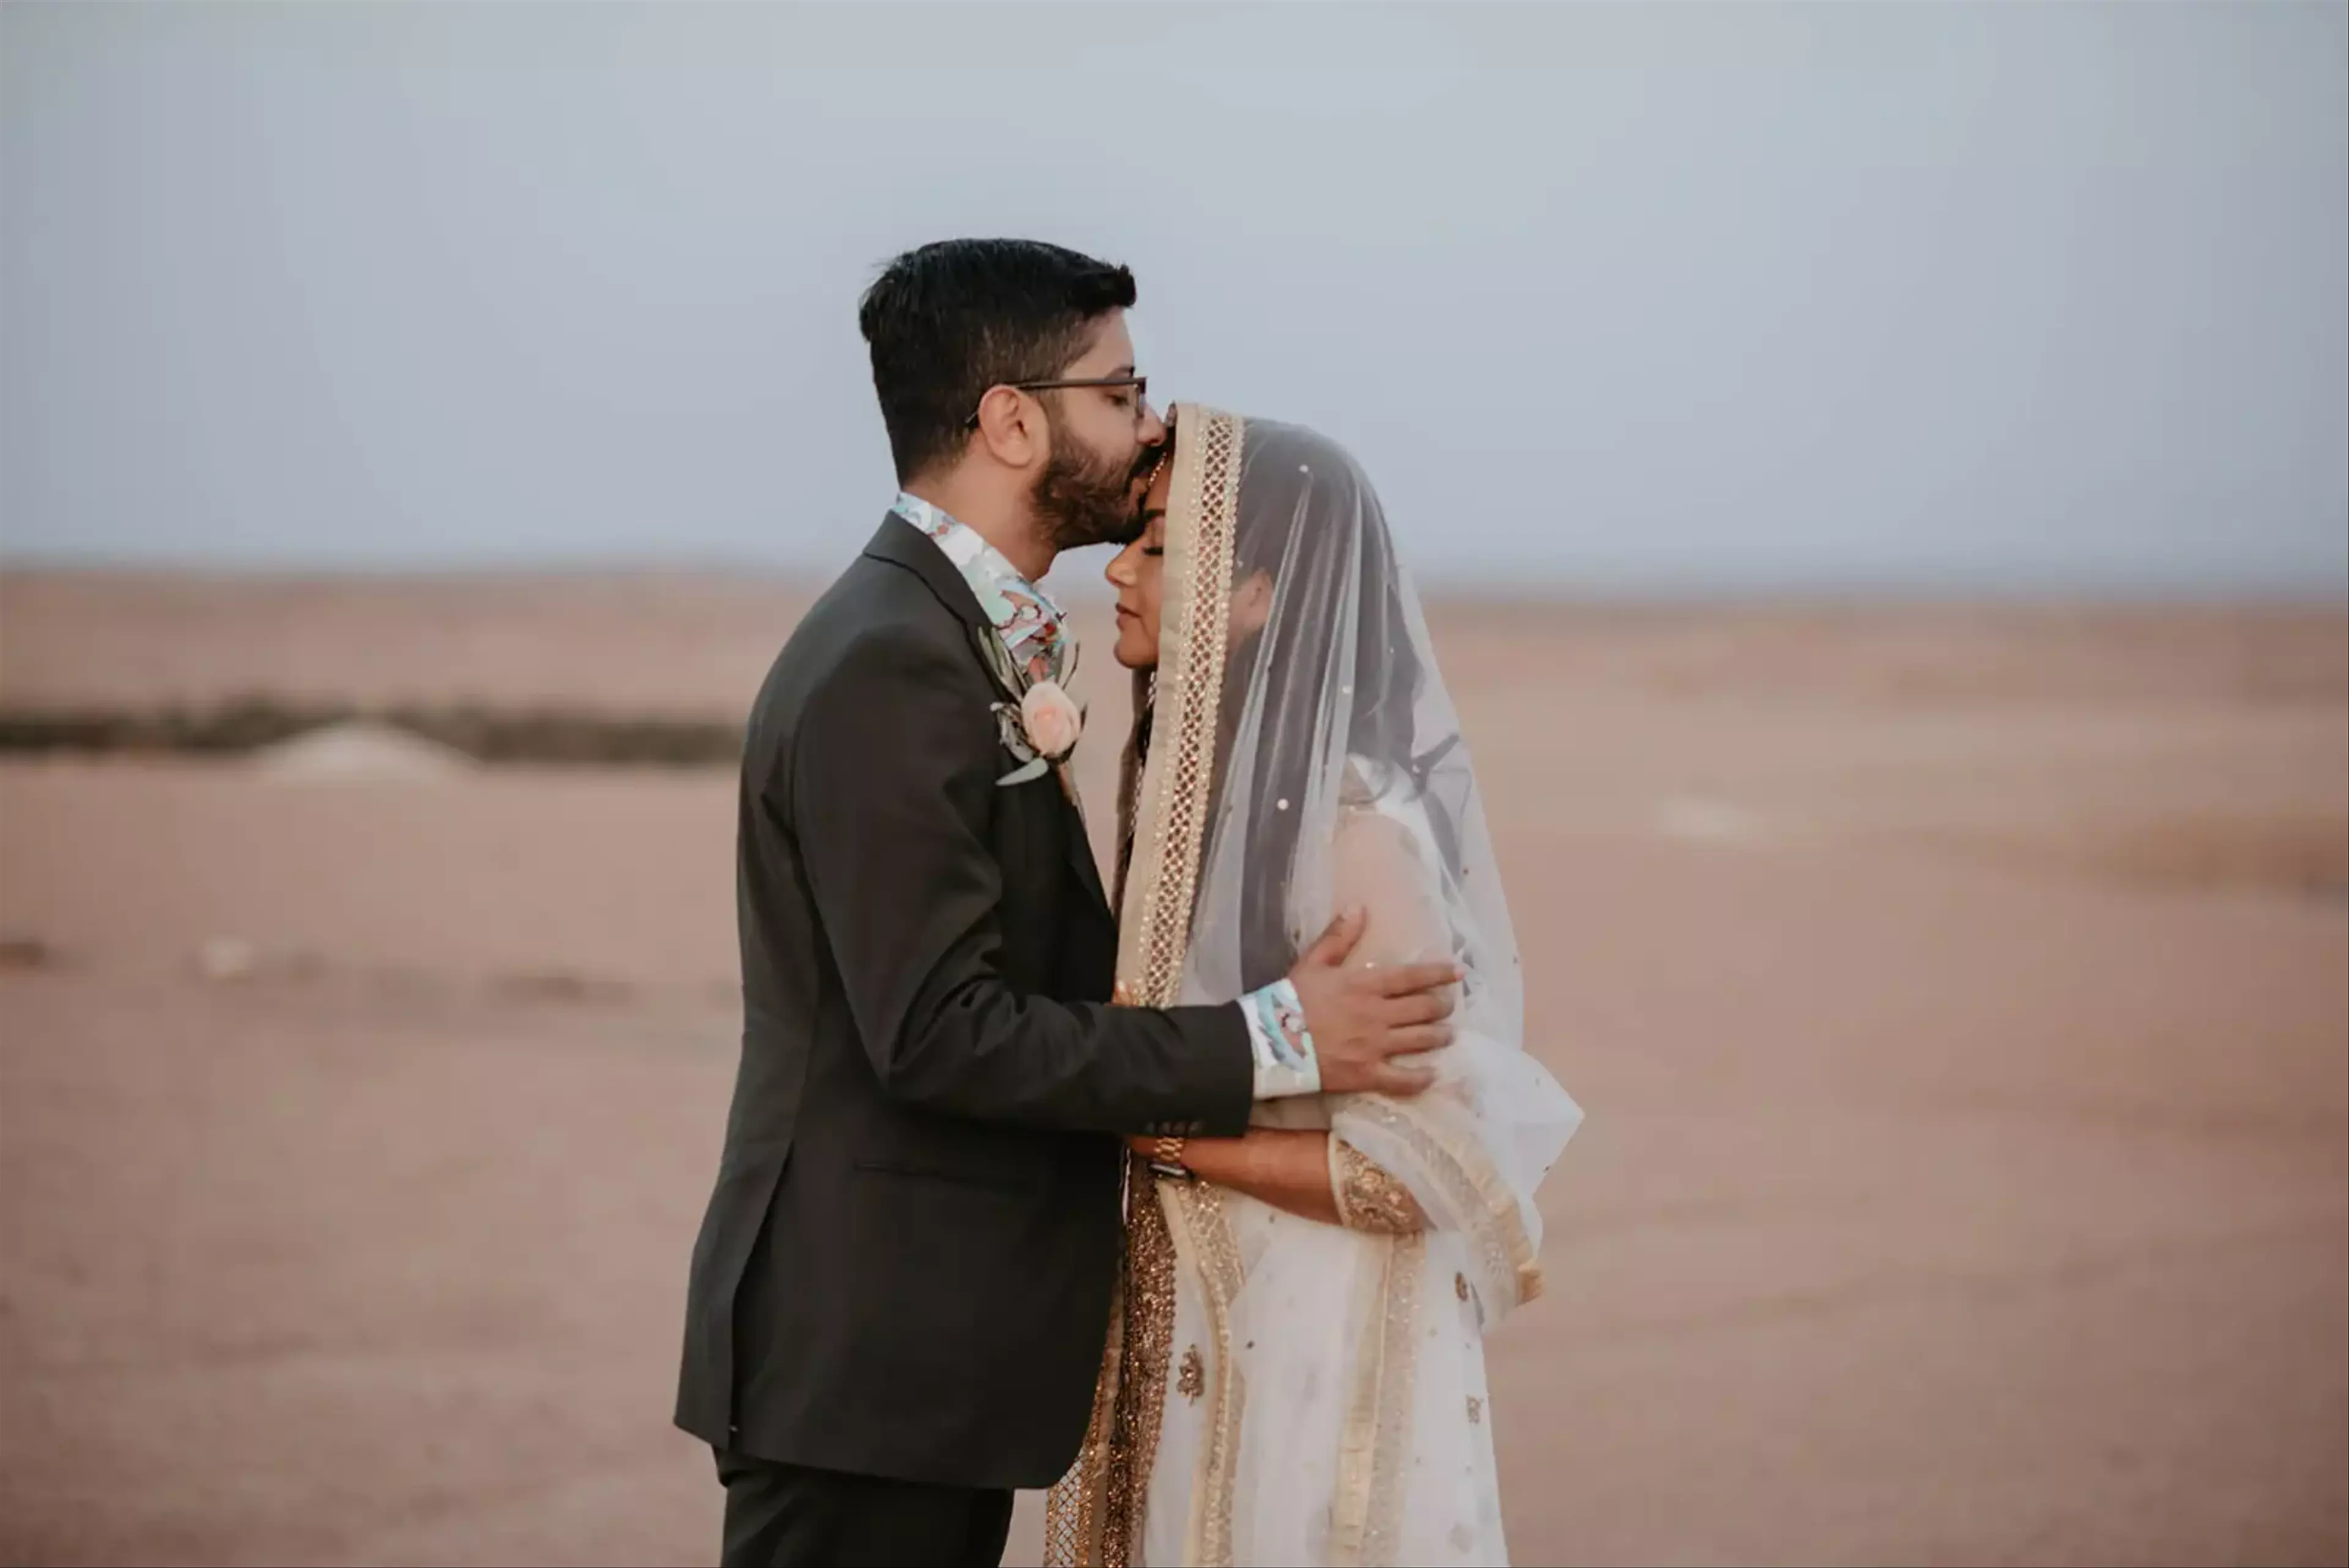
(1082, 498)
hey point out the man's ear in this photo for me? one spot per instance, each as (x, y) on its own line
(1011, 427)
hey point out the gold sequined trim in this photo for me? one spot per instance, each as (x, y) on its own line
(1154, 927)
(1460, 1286)
(1094, 1513)
(1368, 1198)
(1203, 1236)
(1073, 1513)
(1468, 1195)
(1366, 1516)
(1142, 1385)
(1191, 1376)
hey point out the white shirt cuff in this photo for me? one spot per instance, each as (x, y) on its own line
(1285, 1062)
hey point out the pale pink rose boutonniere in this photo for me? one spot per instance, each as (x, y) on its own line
(1041, 730)
(1042, 727)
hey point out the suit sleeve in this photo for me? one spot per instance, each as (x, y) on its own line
(891, 778)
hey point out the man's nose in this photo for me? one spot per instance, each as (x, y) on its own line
(1154, 425)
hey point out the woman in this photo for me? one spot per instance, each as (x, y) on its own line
(1295, 1371)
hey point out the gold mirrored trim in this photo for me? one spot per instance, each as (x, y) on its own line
(1094, 1514)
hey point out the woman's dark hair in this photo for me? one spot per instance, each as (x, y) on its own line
(1289, 478)
(949, 320)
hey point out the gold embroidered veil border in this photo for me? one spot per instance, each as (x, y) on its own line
(1094, 1513)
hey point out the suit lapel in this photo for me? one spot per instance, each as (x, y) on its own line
(1081, 845)
(901, 543)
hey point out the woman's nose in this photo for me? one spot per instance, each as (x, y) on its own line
(1120, 570)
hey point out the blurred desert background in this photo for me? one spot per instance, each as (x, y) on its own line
(1958, 998)
(1880, 477)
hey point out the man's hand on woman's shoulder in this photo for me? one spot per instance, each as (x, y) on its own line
(1370, 1026)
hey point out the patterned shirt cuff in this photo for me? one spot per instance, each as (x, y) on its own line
(1285, 1063)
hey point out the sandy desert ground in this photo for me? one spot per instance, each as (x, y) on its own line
(1960, 998)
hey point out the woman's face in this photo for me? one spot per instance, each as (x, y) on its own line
(1138, 573)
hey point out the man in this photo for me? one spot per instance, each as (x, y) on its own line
(901, 1290)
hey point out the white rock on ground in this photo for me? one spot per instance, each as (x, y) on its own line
(357, 749)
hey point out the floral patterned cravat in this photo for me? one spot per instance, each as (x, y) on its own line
(1034, 629)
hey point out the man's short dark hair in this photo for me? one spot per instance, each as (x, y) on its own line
(949, 320)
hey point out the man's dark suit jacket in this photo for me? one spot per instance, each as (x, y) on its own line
(904, 1270)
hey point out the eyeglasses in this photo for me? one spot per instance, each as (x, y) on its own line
(1141, 385)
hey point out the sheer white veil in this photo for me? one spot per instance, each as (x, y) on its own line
(1297, 720)
(1335, 705)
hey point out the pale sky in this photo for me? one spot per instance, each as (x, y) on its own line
(1606, 297)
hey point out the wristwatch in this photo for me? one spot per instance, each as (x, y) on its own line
(1167, 1160)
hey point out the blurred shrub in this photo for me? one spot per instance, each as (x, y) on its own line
(250, 723)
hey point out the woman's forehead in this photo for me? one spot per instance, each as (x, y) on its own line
(1162, 488)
